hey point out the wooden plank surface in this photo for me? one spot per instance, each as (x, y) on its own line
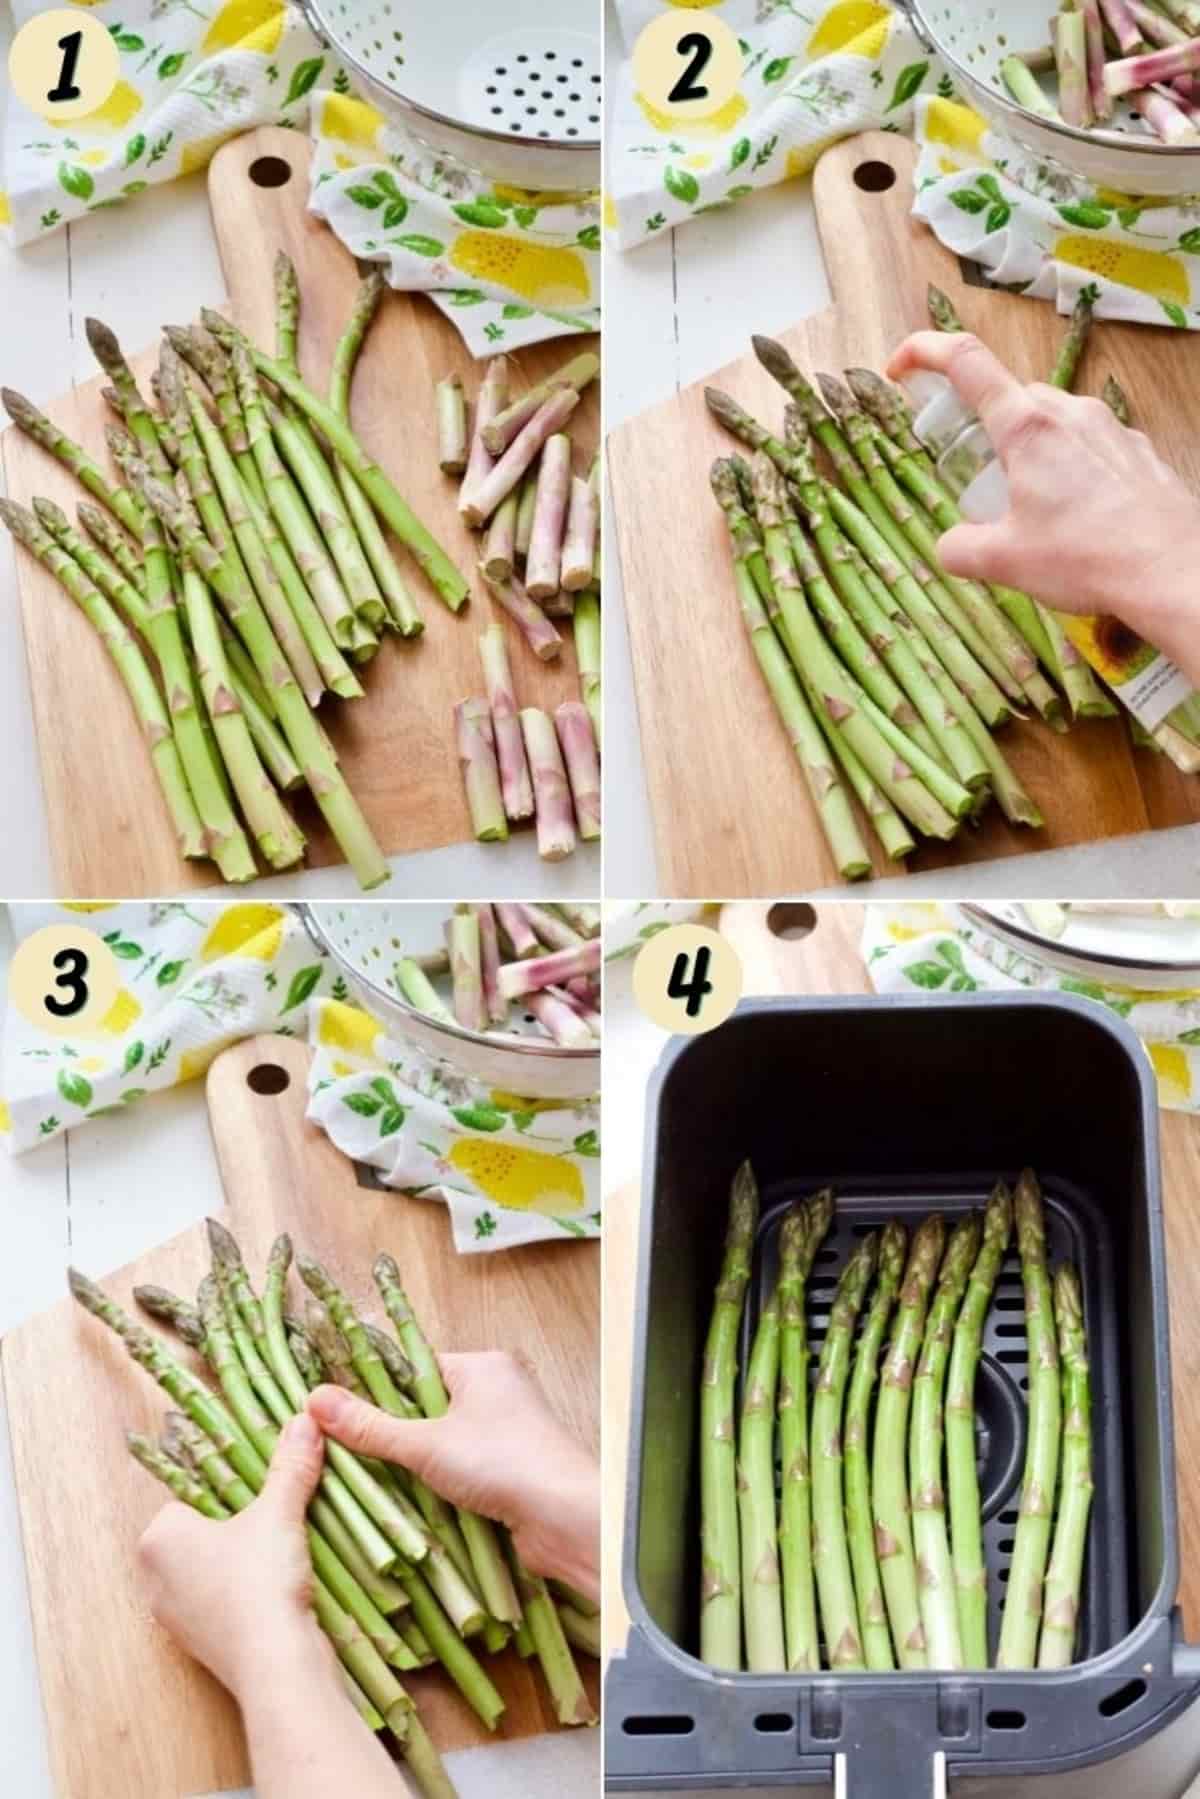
(125, 1711)
(109, 832)
(828, 961)
(731, 812)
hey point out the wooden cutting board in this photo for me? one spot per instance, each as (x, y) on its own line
(732, 814)
(109, 832)
(828, 961)
(126, 1712)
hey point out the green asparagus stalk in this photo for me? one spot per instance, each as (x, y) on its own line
(452, 425)
(1022, 1617)
(587, 655)
(889, 1474)
(119, 501)
(500, 431)
(168, 1308)
(314, 477)
(860, 1529)
(182, 1485)
(108, 537)
(287, 311)
(762, 1607)
(420, 992)
(942, 312)
(1064, 1574)
(434, 1401)
(721, 1590)
(966, 1524)
(384, 496)
(400, 603)
(799, 1239)
(581, 1631)
(1025, 87)
(1117, 400)
(304, 735)
(165, 754)
(935, 1570)
(571, 1703)
(1066, 363)
(831, 1554)
(826, 790)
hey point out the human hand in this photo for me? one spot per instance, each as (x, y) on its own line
(1097, 522)
(240, 1592)
(499, 1451)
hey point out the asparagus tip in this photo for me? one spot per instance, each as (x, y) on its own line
(88, 1294)
(104, 346)
(386, 1268)
(20, 410)
(837, 396)
(223, 1244)
(21, 523)
(52, 516)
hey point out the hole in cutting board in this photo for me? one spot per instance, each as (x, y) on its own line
(874, 177)
(268, 1078)
(791, 920)
(270, 171)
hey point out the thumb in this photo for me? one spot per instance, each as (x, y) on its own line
(976, 552)
(295, 1467)
(368, 1431)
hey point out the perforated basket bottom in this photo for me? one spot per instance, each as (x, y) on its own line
(1076, 1232)
(542, 84)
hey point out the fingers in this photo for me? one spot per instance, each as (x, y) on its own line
(368, 1431)
(295, 1467)
(977, 552)
(1003, 405)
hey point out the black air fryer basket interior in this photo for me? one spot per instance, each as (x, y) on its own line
(904, 1107)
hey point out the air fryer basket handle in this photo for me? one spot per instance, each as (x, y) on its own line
(878, 1775)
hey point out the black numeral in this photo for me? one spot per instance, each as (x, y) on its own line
(700, 49)
(74, 965)
(695, 989)
(65, 88)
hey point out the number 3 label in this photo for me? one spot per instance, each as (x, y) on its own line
(687, 67)
(64, 65)
(65, 981)
(687, 979)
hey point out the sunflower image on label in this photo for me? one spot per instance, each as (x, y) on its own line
(1145, 681)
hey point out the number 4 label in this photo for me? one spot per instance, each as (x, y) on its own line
(687, 979)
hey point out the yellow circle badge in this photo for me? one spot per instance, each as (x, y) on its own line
(687, 65)
(64, 65)
(687, 979)
(65, 981)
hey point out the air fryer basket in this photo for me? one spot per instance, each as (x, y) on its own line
(905, 1106)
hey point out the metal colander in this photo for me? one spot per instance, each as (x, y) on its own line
(972, 37)
(508, 90)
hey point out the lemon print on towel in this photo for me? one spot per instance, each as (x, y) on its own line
(246, 930)
(347, 1027)
(542, 275)
(1151, 272)
(247, 25)
(857, 26)
(522, 1180)
(708, 124)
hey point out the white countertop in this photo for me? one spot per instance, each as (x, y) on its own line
(139, 267)
(675, 309)
(99, 1197)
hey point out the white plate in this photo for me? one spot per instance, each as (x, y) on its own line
(1119, 946)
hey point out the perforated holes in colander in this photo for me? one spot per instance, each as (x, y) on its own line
(535, 84)
(369, 34)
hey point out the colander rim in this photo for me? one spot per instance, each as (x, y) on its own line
(507, 1042)
(509, 138)
(1108, 140)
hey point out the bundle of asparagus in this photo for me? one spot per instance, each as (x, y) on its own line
(872, 1558)
(1146, 52)
(242, 554)
(553, 970)
(402, 1580)
(542, 517)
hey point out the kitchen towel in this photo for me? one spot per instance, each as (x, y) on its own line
(201, 975)
(815, 74)
(924, 948)
(508, 267)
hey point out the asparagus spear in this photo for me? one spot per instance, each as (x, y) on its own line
(452, 426)
(478, 503)
(1065, 1571)
(1135, 72)
(500, 547)
(531, 973)
(571, 1703)
(1023, 1598)
(1070, 51)
(191, 834)
(182, 1485)
(107, 534)
(183, 1318)
(555, 817)
(966, 1528)
(762, 1608)
(935, 1570)
(872, 1613)
(537, 630)
(119, 501)
(1121, 18)
(434, 1401)
(721, 1589)
(831, 1555)
(889, 1483)
(313, 475)
(490, 400)
(489, 962)
(543, 566)
(499, 431)
(942, 311)
(1022, 83)
(799, 1239)
(1067, 363)
(476, 740)
(581, 539)
(304, 735)
(578, 744)
(380, 490)
(587, 655)
(287, 310)
(1117, 401)
(420, 992)
(466, 970)
(515, 783)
